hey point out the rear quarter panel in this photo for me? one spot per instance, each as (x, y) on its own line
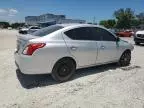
(54, 50)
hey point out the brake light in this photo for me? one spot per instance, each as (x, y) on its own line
(31, 48)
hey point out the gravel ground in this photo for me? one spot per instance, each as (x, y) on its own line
(105, 86)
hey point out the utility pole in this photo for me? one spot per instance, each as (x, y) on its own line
(94, 20)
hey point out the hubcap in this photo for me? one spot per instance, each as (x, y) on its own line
(126, 58)
(63, 70)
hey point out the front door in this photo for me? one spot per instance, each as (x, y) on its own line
(107, 47)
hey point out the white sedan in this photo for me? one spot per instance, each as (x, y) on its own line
(63, 48)
(29, 30)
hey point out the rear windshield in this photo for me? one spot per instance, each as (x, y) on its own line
(47, 30)
(34, 28)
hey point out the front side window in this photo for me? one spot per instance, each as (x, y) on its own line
(104, 35)
(96, 34)
(83, 33)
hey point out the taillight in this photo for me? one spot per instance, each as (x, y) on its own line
(31, 48)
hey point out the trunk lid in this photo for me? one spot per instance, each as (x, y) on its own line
(22, 41)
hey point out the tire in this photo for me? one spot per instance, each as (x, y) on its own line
(63, 70)
(125, 58)
(137, 43)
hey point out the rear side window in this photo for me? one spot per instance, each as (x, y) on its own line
(83, 33)
(102, 34)
(47, 30)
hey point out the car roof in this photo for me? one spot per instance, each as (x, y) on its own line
(76, 25)
(67, 27)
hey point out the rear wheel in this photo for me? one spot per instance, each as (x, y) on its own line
(125, 58)
(63, 70)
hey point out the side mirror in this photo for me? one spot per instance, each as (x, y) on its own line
(117, 39)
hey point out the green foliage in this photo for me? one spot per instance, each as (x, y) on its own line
(108, 23)
(17, 25)
(124, 18)
(4, 24)
(135, 22)
(111, 23)
(140, 16)
(14, 25)
(103, 23)
(142, 21)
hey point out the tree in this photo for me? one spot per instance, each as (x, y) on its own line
(135, 22)
(108, 23)
(4, 24)
(124, 18)
(103, 23)
(17, 25)
(140, 17)
(111, 23)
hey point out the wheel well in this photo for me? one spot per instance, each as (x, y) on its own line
(127, 50)
(66, 58)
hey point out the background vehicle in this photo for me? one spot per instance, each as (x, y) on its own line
(28, 30)
(61, 49)
(9, 28)
(112, 30)
(139, 37)
(126, 33)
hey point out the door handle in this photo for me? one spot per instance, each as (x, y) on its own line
(73, 48)
(102, 47)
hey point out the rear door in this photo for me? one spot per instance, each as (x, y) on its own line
(81, 45)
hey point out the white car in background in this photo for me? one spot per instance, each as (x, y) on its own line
(63, 48)
(139, 37)
(29, 30)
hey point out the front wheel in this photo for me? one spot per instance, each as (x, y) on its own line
(63, 70)
(125, 58)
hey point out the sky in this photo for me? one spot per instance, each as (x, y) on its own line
(16, 10)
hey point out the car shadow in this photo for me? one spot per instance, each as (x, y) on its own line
(141, 45)
(32, 81)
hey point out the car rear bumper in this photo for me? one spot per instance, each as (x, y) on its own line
(139, 40)
(31, 65)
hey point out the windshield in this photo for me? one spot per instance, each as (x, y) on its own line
(47, 30)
